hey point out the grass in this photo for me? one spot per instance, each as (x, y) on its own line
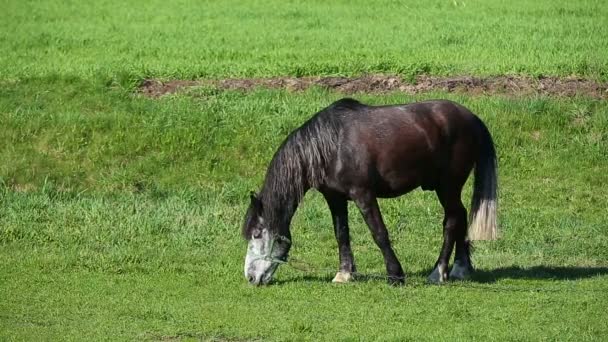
(120, 214)
(191, 39)
(116, 225)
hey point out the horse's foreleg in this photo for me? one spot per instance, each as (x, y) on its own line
(338, 207)
(368, 205)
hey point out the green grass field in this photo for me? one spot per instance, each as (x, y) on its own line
(120, 215)
(218, 39)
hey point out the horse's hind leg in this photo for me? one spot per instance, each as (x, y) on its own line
(462, 261)
(339, 214)
(462, 267)
(454, 232)
(368, 205)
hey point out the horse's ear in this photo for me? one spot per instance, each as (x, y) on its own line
(256, 203)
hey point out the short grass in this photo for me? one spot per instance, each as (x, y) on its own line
(120, 220)
(188, 39)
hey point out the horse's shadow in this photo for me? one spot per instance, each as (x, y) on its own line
(483, 276)
(538, 273)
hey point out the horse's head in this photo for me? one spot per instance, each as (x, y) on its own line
(266, 248)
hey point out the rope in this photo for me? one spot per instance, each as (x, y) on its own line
(305, 267)
(268, 256)
(308, 268)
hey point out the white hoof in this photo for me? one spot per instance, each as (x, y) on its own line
(438, 276)
(342, 277)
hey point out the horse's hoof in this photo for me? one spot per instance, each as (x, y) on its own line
(342, 277)
(460, 272)
(437, 276)
(396, 280)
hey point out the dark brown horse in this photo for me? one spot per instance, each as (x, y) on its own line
(351, 151)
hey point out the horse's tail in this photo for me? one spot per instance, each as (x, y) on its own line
(483, 217)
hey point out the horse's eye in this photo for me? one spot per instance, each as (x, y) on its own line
(256, 234)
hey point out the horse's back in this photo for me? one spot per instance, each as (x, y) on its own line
(443, 115)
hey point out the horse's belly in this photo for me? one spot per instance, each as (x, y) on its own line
(397, 184)
(390, 168)
(394, 192)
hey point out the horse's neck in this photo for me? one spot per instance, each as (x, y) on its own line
(281, 197)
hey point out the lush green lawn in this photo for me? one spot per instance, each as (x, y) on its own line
(227, 38)
(120, 215)
(116, 224)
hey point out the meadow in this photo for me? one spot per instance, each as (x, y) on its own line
(120, 214)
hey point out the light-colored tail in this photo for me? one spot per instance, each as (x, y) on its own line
(483, 215)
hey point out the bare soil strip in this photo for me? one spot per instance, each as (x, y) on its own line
(500, 85)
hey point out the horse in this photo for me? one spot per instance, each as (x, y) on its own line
(350, 151)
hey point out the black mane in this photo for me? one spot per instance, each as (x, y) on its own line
(345, 103)
(301, 162)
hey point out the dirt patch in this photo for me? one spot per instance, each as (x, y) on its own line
(506, 85)
(156, 88)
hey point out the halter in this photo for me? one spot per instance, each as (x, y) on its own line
(268, 256)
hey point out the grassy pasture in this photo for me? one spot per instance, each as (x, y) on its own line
(188, 39)
(120, 214)
(115, 225)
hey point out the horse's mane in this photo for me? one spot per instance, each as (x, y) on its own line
(301, 163)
